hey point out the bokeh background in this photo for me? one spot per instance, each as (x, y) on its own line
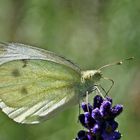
(89, 32)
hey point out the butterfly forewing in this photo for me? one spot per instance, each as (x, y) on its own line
(33, 88)
(14, 51)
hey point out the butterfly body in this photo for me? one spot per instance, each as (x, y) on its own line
(35, 84)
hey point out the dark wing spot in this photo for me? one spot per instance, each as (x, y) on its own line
(24, 63)
(16, 73)
(24, 90)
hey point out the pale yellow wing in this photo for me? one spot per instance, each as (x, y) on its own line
(32, 87)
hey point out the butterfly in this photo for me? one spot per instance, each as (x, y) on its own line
(35, 84)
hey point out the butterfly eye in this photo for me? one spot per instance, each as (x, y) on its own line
(90, 76)
(98, 74)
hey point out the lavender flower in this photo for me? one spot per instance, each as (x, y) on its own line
(99, 120)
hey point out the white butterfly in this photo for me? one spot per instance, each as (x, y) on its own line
(35, 84)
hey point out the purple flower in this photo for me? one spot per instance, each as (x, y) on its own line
(97, 101)
(111, 125)
(116, 110)
(82, 134)
(105, 109)
(97, 129)
(111, 136)
(99, 120)
(96, 114)
(109, 99)
(86, 108)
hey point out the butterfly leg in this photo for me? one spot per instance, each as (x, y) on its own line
(79, 110)
(87, 100)
(98, 91)
(106, 93)
(112, 84)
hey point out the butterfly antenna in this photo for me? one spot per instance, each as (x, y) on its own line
(116, 63)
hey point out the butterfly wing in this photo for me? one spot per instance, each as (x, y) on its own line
(35, 84)
(14, 51)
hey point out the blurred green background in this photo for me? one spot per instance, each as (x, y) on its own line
(89, 32)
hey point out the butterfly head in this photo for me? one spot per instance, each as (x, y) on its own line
(91, 75)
